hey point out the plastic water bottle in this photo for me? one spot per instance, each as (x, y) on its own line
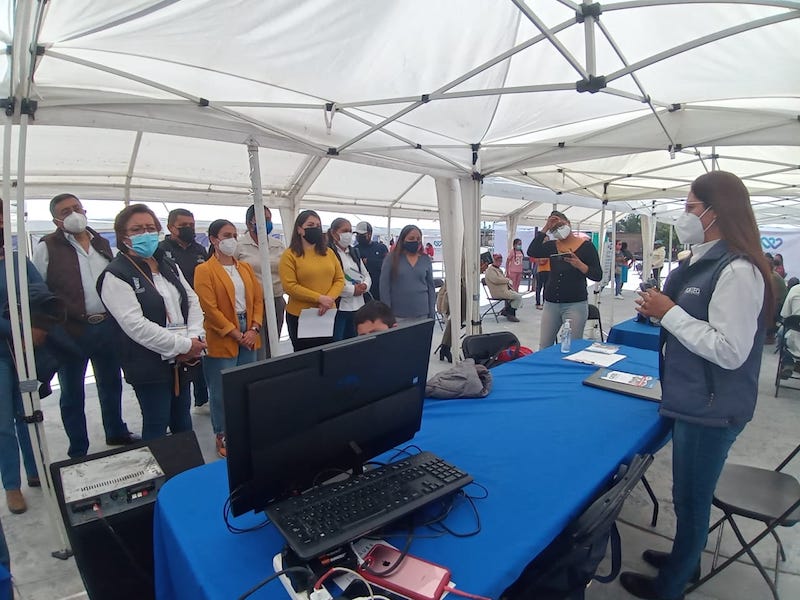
(566, 336)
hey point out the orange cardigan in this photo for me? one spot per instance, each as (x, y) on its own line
(214, 287)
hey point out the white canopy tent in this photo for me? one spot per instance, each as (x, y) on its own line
(404, 107)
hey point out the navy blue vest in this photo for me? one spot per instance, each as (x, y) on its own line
(140, 364)
(693, 388)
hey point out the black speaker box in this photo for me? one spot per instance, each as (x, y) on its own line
(115, 557)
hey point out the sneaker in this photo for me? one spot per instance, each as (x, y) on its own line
(618, 297)
(222, 452)
(539, 307)
(786, 371)
(512, 318)
(203, 409)
(16, 502)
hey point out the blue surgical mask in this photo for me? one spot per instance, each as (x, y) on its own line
(144, 244)
(269, 227)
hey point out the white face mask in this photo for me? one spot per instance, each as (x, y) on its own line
(75, 222)
(689, 228)
(228, 246)
(345, 239)
(562, 232)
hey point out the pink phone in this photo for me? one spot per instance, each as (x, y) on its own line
(415, 578)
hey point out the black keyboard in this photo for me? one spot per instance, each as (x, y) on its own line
(329, 516)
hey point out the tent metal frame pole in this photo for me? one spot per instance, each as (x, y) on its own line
(589, 41)
(200, 102)
(309, 174)
(791, 4)
(669, 249)
(21, 330)
(131, 166)
(702, 41)
(273, 335)
(539, 24)
(411, 144)
(458, 81)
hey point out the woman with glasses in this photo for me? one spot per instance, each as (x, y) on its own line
(159, 319)
(714, 311)
(233, 302)
(311, 276)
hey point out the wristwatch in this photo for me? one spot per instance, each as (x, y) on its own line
(256, 328)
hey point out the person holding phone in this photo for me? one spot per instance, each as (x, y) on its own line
(573, 260)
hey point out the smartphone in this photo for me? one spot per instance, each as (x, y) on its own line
(415, 578)
(560, 255)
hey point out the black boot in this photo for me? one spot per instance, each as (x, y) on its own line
(659, 559)
(445, 354)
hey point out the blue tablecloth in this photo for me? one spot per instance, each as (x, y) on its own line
(542, 444)
(633, 333)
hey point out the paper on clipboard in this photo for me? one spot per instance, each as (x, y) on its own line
(314, 325)
(595, 358)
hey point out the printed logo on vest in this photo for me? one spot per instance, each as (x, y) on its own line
(137, 286)
(692, 291)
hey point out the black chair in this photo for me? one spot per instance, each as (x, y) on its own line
(483, 348)
(493, 302)
(527, 271)
(438, 283)
(569, 563)
(786, 360)
(594, 315)
(772, 497)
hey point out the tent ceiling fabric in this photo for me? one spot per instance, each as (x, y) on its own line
(155, 100)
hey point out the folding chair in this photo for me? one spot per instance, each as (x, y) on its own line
(493, 302)
(772, 497)
(570, 561)
(786, 360)
(484, 347)
(438, 283)
(594, 315)
(527, 271)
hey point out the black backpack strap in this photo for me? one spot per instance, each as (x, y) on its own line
(616, 556)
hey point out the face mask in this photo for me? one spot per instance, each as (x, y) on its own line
(75, 223)
(411, 247)
(689, 228)
(345, 239)
(269, 227)
(186, 234)
(254, 226)
(562, 232)
(518, 247)
(362, 238)
(227, 246)
(313, 234)
(144, 244)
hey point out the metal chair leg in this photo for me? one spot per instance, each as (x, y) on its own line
(781, 553)
(749, 549)
(646, 484)
(721, 524)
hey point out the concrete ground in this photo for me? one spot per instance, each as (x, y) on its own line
(765, 441)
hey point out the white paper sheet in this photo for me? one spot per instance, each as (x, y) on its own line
(314, 325)
(594, 358)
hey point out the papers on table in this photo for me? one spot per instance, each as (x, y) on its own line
(640, 381)
(603, 348)
(595, 358)
(314, 325)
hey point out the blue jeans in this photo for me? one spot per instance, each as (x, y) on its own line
(97, 344)
(698, 455)
(343, 327)
(553, 316)
(200, 387)
(162, 409)
(13, 428)
(213, 367)
(617, 284)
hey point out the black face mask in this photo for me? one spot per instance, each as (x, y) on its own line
(186, 234)
(313, 234)
(411, 247)
(2, 235)
(361, 238)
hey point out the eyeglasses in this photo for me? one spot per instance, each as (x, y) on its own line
(142, 229)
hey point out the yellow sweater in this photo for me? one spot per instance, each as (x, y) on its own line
(306, 278)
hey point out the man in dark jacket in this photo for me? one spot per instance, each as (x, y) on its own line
(71, 259)
(372, 253)
(180, 245)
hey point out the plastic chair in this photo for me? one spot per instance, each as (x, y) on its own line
(786, 360)
(570, 561)
(484, 347)
(771, 497)
(594, 315)
(493, 302)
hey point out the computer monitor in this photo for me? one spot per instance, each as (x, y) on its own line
(296, 420)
